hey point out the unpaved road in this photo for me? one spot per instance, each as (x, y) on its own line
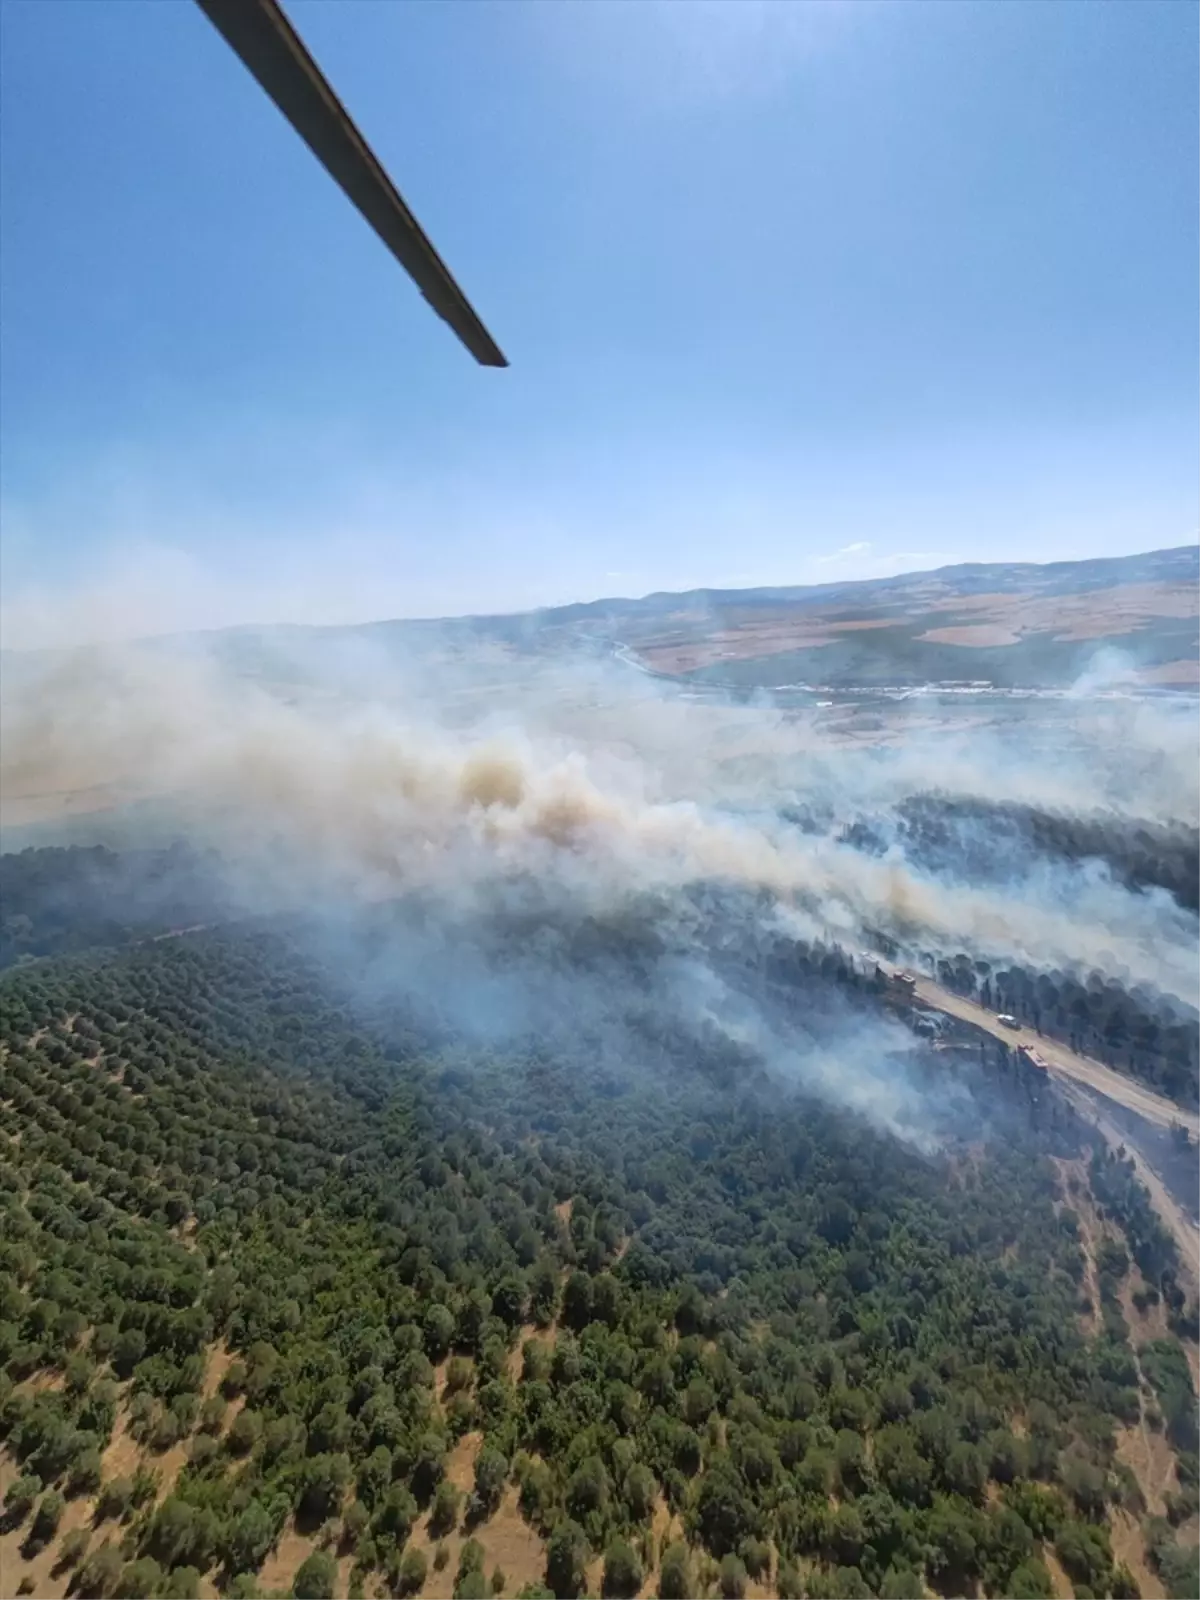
(1187, 1235)
(1092, 1074)
(1092, 1078)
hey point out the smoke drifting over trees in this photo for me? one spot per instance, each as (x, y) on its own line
(513, 796)
(520, 1109)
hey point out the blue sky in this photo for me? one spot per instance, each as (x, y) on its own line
(790, 292)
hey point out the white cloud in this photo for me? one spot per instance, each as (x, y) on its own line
(861, 547)
(861, 559)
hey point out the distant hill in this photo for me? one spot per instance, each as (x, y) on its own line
(1010, 623)
(1014, 624)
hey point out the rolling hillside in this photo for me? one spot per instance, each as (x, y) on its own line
(1012, 624)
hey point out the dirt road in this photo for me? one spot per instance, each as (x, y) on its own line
(1089, 1079)
(1187, 1235)
(1092, 1074)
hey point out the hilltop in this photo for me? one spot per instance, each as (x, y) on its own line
(1013, 624)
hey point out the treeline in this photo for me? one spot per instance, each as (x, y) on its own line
(1145, 1035)
(59, 901)
(980, 838)
(843, 1366)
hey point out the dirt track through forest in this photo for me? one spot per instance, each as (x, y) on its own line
(1096, 1079)
(1093, 1075)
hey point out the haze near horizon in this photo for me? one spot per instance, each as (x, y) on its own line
(792, 294)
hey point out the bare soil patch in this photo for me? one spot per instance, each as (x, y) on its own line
(981, 635)
(282, 1564)
(1152, 1462)
(220, 1359)
(48, 1584)
(1143, 1325)
(982, 621)
(122, 1454)
(1092, 1232)
(460, 1463)
(1129, 1546)
(1172, 674)
(750, 640)
(507, 1539)
(1061, 1584)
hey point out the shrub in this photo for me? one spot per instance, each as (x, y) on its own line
(413, 1570)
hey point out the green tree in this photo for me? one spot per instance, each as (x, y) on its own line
(101, 1573)
(47, 1517)
(566, 1560)
(73, 1547)
(639, 1491)
(249, 1539)
(443, 1516)
(731, 1579)
(622, 1570)
(114, 1499)
(725, 1514)
(20, 1498)
(395, 1517)
(491, 1473)
(142, 1580)
(675, 1574)
(244, 1433)
(182, 1584)
(588, 1489)
(413, 1571)
(315, 1577)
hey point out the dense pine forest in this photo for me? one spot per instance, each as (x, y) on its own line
(298, 1296)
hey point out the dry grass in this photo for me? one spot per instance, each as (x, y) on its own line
(978, 635)
(666, 1528)
(1172, 675)
(219, 1362)
(1146, 1453)
(45, 1382)
(1152, 1462)
(1129, 1546)
(1091, 1232)
(981, 621)
(1061, 1584)
(48, 1583)
(749, 640)
(285, 1560)
(123, 1454)
(507, 1539)
(460, 1463)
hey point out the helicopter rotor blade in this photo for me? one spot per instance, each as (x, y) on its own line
(270, 48)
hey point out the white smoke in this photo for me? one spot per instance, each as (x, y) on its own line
(385, 773)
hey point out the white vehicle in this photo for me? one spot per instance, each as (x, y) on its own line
(1006, 1021)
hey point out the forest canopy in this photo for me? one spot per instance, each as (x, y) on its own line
(281, 1273)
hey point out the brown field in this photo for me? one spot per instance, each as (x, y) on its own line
(982, 635)
(747, 641)
(1172, 674)
(980, 621)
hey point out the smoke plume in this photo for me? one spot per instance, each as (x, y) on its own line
(480, 782)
